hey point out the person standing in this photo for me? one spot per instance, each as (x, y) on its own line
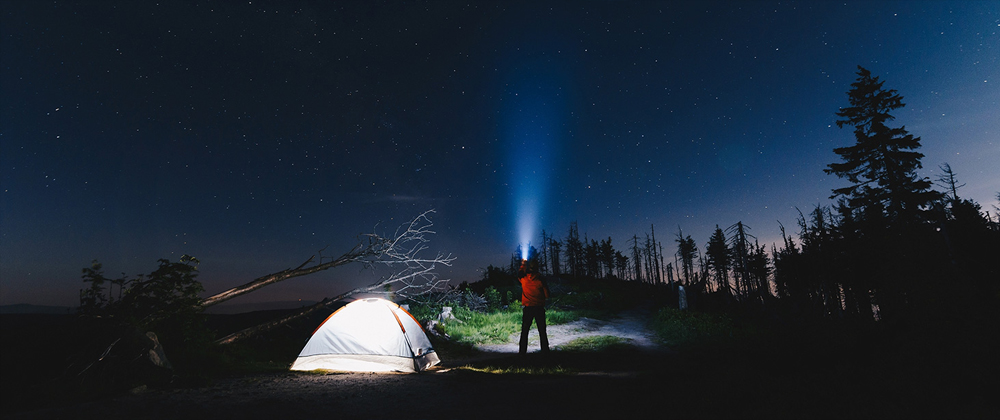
(534, 291)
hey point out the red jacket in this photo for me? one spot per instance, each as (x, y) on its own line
(533, 291)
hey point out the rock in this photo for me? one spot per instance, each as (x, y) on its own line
(447, 315)
(156, 353)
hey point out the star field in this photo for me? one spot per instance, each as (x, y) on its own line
(252, 134)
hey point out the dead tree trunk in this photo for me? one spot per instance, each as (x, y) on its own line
(255, 330)
(411, 275)
(351, 256)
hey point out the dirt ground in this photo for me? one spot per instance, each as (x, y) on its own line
(442, 393)
(586, 386)
(644, 380)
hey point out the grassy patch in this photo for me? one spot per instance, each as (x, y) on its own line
(519, 370)
(496, 327)
(564, 316)
(597, 343)
(491, 327)
(682, 329)
(483, 328)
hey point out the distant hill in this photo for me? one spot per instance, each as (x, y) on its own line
(24, 308)
(239, 308)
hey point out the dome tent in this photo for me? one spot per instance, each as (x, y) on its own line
(368, 335)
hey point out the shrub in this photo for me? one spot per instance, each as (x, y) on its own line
(164, 302)
(492, 298)
(424, 312)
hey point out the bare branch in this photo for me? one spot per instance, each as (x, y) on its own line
(398, 251)
(410, 275)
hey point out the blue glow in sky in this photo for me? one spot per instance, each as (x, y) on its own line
(532, 133)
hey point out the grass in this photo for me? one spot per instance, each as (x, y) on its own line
(520, 370)
(496, 327)
(597, 343)
(571, 300)
(483, 327)
(687, 329)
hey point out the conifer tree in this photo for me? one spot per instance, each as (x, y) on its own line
(881, 165)
(543, 261)
(636, 259)
(591, 258)
(621, 264)
(948, 181)
(740, 258)
(687, 251)
(607, 257)
(555, 248)
(717, 253)
(574, 251)
(656, 257)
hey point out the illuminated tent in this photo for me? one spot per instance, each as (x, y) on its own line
(368, 335)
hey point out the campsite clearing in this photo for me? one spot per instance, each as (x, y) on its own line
(457, 388)
(797, 376)
(630, 325)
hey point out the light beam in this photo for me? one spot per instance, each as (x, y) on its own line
(532, 136)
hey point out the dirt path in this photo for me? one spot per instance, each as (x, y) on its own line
(629, 325)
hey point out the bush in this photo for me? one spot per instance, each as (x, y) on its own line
(424, 312)
(164, 302)
(492, 299)
(468, 299)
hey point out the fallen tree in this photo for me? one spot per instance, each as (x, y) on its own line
(410, 274)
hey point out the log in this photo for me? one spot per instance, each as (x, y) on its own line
(262, 281)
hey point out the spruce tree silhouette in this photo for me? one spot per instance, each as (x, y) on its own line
(882, 164)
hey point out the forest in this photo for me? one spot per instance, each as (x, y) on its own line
(892, 247)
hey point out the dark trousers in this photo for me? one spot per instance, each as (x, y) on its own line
(536, 313)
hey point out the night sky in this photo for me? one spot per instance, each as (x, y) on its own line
(252, 134)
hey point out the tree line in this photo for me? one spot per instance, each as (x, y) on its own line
(737, 266)
(889, 247)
